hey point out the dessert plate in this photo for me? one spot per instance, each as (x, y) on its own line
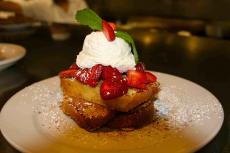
(187, 117)
(9, 54)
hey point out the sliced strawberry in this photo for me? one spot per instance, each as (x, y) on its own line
(67, 73)
(110, 73)
(112, 89)
(140, 67)
(136, 79)
(74, 66)
(82, 75)
(94, 75)
(108, 31)
(113, 25)
(90, 76)
(150, 77)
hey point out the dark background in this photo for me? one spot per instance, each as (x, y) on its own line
(189, 9)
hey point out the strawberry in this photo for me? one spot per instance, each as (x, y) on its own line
(90, 76)
(74, 66)
(110, 73)
(150, 77)
(140, 67)
(82, 75)
(94, 75)
(108, 31)
(112, 89)
(136, 79)
(67, 73)
(113, 25)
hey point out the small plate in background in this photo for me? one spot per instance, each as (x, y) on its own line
(9, 54)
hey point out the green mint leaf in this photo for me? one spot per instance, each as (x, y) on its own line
(90, 18)
(129, 39)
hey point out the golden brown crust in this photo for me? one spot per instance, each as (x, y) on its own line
(91, 116)
(136, 118)
(128, 102)
(87, 115)
(76, 90)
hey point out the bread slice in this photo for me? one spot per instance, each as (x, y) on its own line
(87, 115)
(77, 90)
(135, 118)
(91, 116)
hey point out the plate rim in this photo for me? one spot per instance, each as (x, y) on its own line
(21, 53)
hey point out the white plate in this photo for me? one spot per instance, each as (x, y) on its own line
(9, 54)
(189, 116)
(15, 26)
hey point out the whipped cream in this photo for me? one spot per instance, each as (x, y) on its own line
(98, 50)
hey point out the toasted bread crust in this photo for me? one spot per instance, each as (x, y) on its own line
(136, 118)
(76, 90)
(87, 115)
(91, 116)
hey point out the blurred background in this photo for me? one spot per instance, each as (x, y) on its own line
(207, 18)
(187, 38)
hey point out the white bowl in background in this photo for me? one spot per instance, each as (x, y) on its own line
(9, 54)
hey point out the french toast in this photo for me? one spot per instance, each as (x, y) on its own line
(134, 97)
(92, 116)
(87, 115)
(86, 107)
(135, 118)
(107, 86)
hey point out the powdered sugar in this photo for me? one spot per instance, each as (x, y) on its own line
(177, 109)
(187, 117)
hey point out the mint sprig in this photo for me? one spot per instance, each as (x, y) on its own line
(90, 18)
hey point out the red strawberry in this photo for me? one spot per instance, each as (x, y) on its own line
(110, 73)
(150, 77)
(136, 79)
(94, 75)
(67, 73)
(113, 25)
(140, 67)
(112, 89)
(82, 75)
(90, 76)
(74, 66)
(108, 31)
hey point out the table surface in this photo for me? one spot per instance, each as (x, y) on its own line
(204, 61)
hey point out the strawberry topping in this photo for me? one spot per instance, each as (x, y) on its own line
(113, 84)
(74, 66)
(95, 74)
(136, 79)
(82, 75)
(139, 79)
(150, 77)
(90, 76)
(140, 67)
(108, 31)
(112, 89)
(110, 73)
(70, 73)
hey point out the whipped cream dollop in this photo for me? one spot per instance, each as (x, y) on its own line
(98, 50)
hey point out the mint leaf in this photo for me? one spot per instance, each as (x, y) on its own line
(129, 39)
(89, 18)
